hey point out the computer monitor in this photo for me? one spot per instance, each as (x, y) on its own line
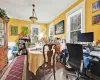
(86, 37)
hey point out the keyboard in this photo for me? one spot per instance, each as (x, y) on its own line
(95, 59)
(95, 53)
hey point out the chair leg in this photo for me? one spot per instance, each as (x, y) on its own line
(77, 78)
(54, 73)
(44, 71)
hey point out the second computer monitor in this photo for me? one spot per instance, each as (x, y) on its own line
(86, 37)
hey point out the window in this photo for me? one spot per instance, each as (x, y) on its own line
(51, 30)
(35, 33)
(75, 23)
(75, 26)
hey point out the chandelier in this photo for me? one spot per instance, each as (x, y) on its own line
(33, 18)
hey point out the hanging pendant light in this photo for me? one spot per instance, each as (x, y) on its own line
(33, 18)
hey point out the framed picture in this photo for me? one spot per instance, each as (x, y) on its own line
(96, 6)
(96, 19)
(59, 28)
(25, 30)
(14, 30)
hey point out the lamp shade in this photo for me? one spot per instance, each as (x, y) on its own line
(33, 19)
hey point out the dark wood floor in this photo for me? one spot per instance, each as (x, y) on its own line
(40, 74)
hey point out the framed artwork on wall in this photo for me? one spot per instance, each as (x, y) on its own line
(96, 19)
(96, 6)
(24, 30)
(59, 28)
(14, 30)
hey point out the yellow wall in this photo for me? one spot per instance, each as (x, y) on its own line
(62, 16)
(88, 18)
(89, 27)
(20, 23)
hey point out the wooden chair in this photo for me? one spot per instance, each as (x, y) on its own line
(49, 58)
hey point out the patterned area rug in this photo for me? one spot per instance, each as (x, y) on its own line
(16, 71)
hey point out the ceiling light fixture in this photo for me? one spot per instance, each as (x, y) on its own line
(33, 18)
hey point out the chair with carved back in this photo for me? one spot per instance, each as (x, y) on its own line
(49, 52)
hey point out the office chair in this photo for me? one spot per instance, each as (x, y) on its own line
(75, 60)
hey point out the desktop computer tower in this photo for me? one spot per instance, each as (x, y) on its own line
(95, 68)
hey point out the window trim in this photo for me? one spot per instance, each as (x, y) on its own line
(34, 26)
(70, 13)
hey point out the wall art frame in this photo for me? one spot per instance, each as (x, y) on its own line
(59, 28)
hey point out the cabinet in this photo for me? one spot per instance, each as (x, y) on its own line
(3, 41)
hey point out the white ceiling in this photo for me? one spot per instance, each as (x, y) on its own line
(46, 10)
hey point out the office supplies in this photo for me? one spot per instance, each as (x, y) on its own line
(95, 53)
(96, 48)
